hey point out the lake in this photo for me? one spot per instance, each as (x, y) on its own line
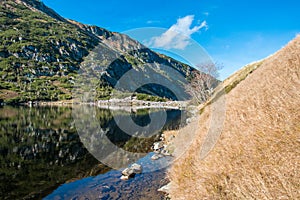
(45, 154)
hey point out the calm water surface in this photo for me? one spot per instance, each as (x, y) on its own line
(42, 156)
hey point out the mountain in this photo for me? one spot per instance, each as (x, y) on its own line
(256, 155)
(41, 53)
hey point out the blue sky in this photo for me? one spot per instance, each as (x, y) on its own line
(233, 33)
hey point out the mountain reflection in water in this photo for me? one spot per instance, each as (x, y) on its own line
(40, 149)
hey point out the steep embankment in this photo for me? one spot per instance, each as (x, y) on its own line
(257, 155)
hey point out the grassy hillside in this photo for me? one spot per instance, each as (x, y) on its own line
(41, 53)
(257, 154)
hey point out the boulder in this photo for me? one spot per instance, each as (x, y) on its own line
(157, 146)
(131, 171)
(124, 178)
(156, 156)
(165, 188)
(137, 169)
(127, 172)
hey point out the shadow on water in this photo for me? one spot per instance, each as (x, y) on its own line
(40, 150)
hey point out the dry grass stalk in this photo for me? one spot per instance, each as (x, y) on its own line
(258, 153)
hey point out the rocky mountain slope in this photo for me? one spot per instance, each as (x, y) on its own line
(257, 154)
(41, 53)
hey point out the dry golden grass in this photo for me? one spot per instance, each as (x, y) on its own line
(258, 153)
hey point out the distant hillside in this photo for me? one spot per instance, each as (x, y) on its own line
(258, 152)
(41, 52)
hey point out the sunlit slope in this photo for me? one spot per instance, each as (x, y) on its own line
(258, 153)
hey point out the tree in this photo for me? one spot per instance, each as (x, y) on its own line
(203, 82)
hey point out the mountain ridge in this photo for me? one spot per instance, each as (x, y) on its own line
(41, 53)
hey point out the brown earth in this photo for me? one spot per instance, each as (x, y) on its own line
(257, 155)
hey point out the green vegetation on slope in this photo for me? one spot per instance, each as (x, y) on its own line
(41, 54)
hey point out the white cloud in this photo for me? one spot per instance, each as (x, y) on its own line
(178, 35)
(153, 21)
(206, 13)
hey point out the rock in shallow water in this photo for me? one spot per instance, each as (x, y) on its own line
(124, 178)
(156, 156)
(136, 168)
(131, 171)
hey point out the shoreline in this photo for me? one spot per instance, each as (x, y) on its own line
(114, 104)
